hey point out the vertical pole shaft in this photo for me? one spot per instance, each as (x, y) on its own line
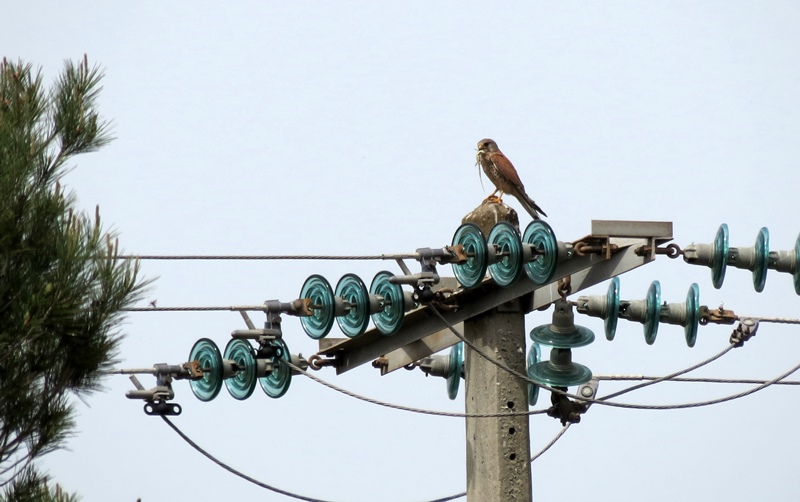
(498, 449)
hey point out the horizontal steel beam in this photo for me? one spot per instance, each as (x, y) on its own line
(659, 230)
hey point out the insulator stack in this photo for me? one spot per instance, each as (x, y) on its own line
(562, 335)
(240, 367)
(649, 312)
(757, 258)
(505, 254)
(352, 306)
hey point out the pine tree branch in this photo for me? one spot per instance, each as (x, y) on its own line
(61, 290)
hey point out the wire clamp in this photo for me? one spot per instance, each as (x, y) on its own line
(744, 331)
(565, 409)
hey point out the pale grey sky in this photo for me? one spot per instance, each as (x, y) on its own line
(350, 128)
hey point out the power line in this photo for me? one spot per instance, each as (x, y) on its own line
(777, 320)
(613, 403)
(604, 400)
(261, 308)
(718, 400)
(533, 458)
(408, 408)
(671, 375)
(552, 442)
(401, 256)
(236, 472)
(234, 308)
(271, 488)
(694, 379)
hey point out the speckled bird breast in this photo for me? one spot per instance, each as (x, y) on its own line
(491, 171)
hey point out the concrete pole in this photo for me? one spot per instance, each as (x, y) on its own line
(498, 449)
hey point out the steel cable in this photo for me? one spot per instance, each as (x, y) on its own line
(408, 408)
(613, 403)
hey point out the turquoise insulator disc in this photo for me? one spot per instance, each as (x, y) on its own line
(719, 261)
(352, 289)
(243, 382)
(319, 290)
(542, 267)
(471, 273)
(796, 273)
(389, 319)
(612, 309)
(276, 382)
(456, 366)
(762, 260)
(534, 356)
(207, 353)
(504, 239)
(546, 374)
(653, 312)
(692, 314)
(545, 335)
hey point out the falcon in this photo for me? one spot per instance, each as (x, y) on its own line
(502, 174)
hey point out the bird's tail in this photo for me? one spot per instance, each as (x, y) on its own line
(533, 209)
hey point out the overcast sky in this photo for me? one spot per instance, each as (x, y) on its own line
(350, 128)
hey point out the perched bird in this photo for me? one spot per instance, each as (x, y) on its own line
(502, 174)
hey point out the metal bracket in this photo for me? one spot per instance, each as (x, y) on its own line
(156, 398)
(162, 408)
(595, 245)
(716, 316)
(671, 250)
(317, 362)
(425, 281)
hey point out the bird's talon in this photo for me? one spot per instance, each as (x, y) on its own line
(492, 199)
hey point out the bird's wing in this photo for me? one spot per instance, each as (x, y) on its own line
(506, 168)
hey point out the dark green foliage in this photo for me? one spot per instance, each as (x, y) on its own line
(61, 286)
(30, 486)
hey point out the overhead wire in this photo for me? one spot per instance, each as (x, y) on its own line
(552, 442)
(674, 377)
(293, 495)
(368, 257)
(407, 408)
(234, 308)
(777, 320)
(533, 458)
(603, 400)
(614, 403)
(671, 375)
(619, 378)
(234, 471)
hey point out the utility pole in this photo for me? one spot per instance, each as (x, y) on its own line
(498, 450)
(492, 316)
